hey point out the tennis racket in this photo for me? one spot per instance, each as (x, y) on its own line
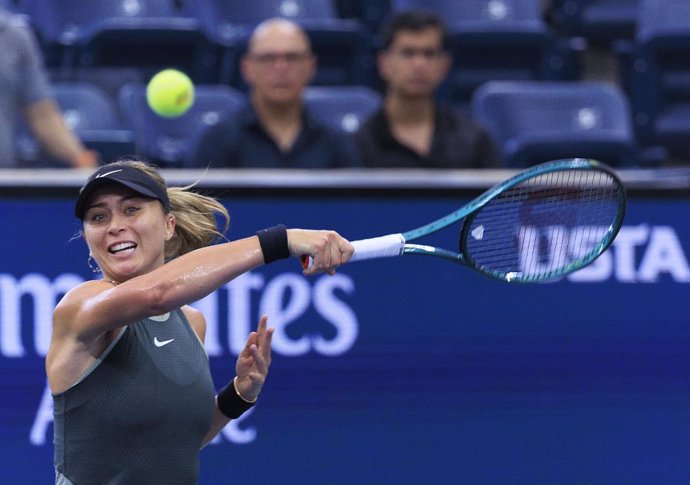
(541, 224)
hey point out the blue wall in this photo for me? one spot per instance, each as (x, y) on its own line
(407, 370)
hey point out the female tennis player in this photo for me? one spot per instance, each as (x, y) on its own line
(133, 396)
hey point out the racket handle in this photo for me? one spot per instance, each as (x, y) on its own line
(375, 247)
(378, 247)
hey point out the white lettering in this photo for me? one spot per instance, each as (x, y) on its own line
(599, 270)
(664, 255)
(285, 299)
(584, 239)
(624, 250)
(43, 419)
(45, 295)
(553, 247)
(240, 321)
(337, 313)
(658, 250)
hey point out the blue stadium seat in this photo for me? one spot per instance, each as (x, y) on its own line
(536, 121)
(165, 141)
(371, 13)
(11, 5)
(655, 70)
(599, 21)
(497, 40)
(110, 79)
(92, 115)
(343, 46)
(342, 107)
(150, 34)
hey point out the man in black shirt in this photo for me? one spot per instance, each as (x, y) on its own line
(275, 130)
(411, 129)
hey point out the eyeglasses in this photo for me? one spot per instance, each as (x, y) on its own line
(270, 58)
(409, 53)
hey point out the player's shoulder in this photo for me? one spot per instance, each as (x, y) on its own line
(73, 300)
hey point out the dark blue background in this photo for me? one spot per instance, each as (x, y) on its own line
(454, 378)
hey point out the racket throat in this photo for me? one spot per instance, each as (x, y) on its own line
(432, 251)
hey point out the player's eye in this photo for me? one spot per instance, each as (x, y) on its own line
(96, 217)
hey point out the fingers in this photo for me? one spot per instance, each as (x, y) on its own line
(327, 250)
(264, 336)
(256, 354)
(253, 362)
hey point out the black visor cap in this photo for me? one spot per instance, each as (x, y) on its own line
(125, 175)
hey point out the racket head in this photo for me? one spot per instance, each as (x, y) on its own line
(545, 222)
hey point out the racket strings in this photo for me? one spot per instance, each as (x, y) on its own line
(544, 225)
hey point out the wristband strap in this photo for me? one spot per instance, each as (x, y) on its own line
(230, 403)
(274, 243)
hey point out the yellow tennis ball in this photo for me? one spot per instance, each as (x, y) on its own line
(170, 93)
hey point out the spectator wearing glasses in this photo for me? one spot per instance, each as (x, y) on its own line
(274, 130)
(412, 129)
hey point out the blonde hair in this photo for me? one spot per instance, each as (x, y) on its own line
(195, 214)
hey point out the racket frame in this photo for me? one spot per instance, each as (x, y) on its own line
(474, 206)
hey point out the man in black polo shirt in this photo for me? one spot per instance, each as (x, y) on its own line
(411, 129)
(275, 130)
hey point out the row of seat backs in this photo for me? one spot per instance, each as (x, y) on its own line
(126, 125)
(492, 39)
(650, 40)
(654, 67)
(530, 121)
(594, 19)
(534, 122)
(655, 73)
(600, 22)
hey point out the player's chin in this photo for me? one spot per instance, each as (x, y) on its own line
(125, 270)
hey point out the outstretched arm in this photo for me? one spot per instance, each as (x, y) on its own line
(95, 308)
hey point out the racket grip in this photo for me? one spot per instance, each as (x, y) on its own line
(376, 247)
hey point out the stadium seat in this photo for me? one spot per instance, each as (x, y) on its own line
(599, 21)
(10, 5)
(165, 141)
(497, 40)
(655, 70)
(537, 121)
(342, 107)
(371, 13)
(110, 79)
(92, 115)
(149, 34)
(343, 46)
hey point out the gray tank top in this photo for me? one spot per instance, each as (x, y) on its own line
(140, 414)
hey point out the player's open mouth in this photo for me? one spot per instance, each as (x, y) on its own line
(122, 246)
